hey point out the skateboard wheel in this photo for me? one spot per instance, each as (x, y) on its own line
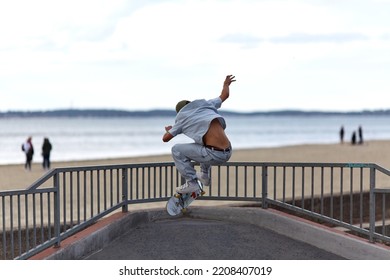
(202, 192)
(184, 210)
(177, 195)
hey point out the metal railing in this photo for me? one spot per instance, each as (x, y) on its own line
(67, 200)
(354, 196)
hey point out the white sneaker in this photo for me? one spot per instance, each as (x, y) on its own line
(188, 187)
(204, 178)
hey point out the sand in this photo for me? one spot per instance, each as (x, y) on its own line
(14, 176)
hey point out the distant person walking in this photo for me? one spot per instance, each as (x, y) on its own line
(46, 149)
(342, 134)
(360, 133)
(28, 149)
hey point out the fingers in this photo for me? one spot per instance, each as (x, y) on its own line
(229, 79)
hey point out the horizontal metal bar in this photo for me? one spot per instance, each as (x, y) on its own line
(27, 192)
(382, 191)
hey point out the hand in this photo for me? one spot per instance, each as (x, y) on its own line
(229, 79)
(167, 136)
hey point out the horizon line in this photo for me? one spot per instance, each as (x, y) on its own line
(105, 111)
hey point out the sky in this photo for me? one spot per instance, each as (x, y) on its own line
(327, 55)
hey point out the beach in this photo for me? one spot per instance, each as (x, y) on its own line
(14, 177)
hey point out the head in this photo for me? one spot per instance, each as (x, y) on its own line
(181, 104)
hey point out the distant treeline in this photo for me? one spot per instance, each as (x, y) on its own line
(105, 113)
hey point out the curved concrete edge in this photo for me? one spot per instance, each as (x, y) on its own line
(334, 241)
(97, 236)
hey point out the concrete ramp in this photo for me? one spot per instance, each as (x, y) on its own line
(213, 233)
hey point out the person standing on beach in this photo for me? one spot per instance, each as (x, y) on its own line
(200, 120)
(360, 133)
(46, 149)
(28, 149)
(353, 139)
(341, 134)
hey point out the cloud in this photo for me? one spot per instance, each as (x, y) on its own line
(250, 41)
(385, 36)
(303, 38)
(247, 41)
(162, 48)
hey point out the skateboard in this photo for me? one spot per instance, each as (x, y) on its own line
(179, 203)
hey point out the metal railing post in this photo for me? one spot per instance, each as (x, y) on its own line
(125, 207)
(57, 216)
(264, 186)
(372, 205)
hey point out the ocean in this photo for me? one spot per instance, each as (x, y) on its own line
(83, 138)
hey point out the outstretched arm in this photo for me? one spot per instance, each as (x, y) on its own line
(225, 90)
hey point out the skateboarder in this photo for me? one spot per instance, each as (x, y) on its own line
(200, 120)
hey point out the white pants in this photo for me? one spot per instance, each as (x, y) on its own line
(183, 154)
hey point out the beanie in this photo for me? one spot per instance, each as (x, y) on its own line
(181, 104)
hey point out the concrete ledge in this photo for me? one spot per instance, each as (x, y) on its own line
(97, 236)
